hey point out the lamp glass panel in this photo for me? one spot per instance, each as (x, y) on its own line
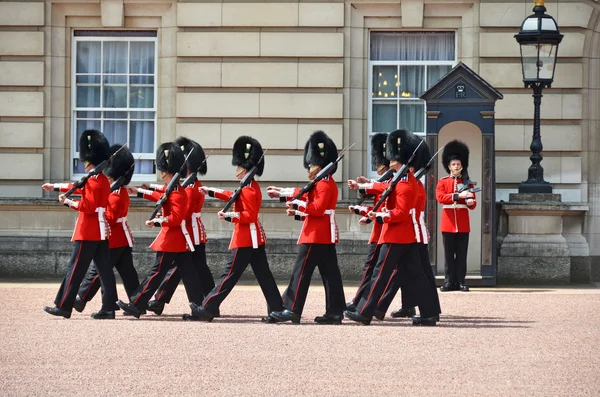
(530, 24)
(549, 24)
(529, 54)
(547, 61)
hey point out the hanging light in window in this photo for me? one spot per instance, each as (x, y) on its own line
(380, 74)
(379, 93)
(384, 82)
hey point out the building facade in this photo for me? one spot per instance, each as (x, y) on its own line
(147, 71)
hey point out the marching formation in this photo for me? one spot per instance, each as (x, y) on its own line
(397, 257)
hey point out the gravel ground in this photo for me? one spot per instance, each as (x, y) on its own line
(490, 341)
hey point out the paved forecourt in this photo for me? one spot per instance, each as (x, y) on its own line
(492, 341)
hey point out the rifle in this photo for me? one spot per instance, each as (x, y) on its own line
(193, 176)
(119, 182)
(399, 175)
(322, 174)
(93, 172)
(387, 175)
(243, 183)
(170, 187)
(427, 166)
(466, 183)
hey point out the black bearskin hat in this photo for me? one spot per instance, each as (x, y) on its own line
(120, 164)
(455, 150)
(400, 146)
(247, 153)
(195, 161)
(169, 158)
(320, 150)
(93, 147)
(378, 144)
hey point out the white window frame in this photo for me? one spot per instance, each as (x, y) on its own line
(74, 109)
(372, 64)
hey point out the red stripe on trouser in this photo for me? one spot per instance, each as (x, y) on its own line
(148, 283)
(225, 279)
(166, 283)
(388, 284)
(89, 288)
(376, 281)
(62, 302)
(365, 273)
(300, 280)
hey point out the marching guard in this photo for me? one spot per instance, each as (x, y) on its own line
(248, 241)
(90, 237)
(173, 244)
(318, 238)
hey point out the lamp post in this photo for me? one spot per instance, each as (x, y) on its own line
(539, 38)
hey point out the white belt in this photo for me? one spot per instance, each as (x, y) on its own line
(123, 222)
(187, 236)
(452, 206)
(413, 216)
(195, 228)
(253, 235)
(423, 228)
(101, 211)
(331, 214)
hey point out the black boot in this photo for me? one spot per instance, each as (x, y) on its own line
(56, 311)
(103, 315)
(335, 319)
(79, 304)
(201, 312)
(156, 307)
(286, 315)
(425, 321)
(129, 308)
(404, 312)
(356, 316)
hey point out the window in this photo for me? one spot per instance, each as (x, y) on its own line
(402, 66)
(114, 91)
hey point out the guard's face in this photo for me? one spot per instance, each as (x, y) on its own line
(313, 170)
(381, 169)
(162, 175)
(455, 167)
(240, 172)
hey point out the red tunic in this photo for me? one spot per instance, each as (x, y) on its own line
(193, 220)
(376, 189)
(91, 207)
(116, 217)
(455, 214)
(174, 211)
(398, 224)
(317, 210)
(244, 216)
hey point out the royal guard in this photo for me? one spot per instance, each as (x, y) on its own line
(248, 241)
(120, 243)
(196, 164)
(318, 238)
(399, 254)
(173, 244)
(370, 188)
(453, 193)
(90, 238)
(409, 296)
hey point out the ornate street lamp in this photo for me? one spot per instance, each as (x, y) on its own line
(539, 38)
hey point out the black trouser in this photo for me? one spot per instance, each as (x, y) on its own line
(163, 262)
(239, 258)
(120, 259)
(407, 292)
(367, 271)
(81, 257)
(171, 281)
(455, 255)
(395, 262)
(323, 256)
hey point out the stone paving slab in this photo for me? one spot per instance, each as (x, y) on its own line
(490, 342)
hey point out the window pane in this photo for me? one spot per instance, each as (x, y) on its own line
(83, 125)
(411, 81)
(115, 131)
(384, 116)
(142, 137)
(115, 97)
(144, 167)
(115, 79)
(88, 79)
(142, 58)
(412, 116)
(141, 97)
(142, 115)
(89, 115)
(115, 57)
(412, 46)
(149, 80)
(385, 79)
(88, 57)
(88, 96)
(115, 115)
(435, 74)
